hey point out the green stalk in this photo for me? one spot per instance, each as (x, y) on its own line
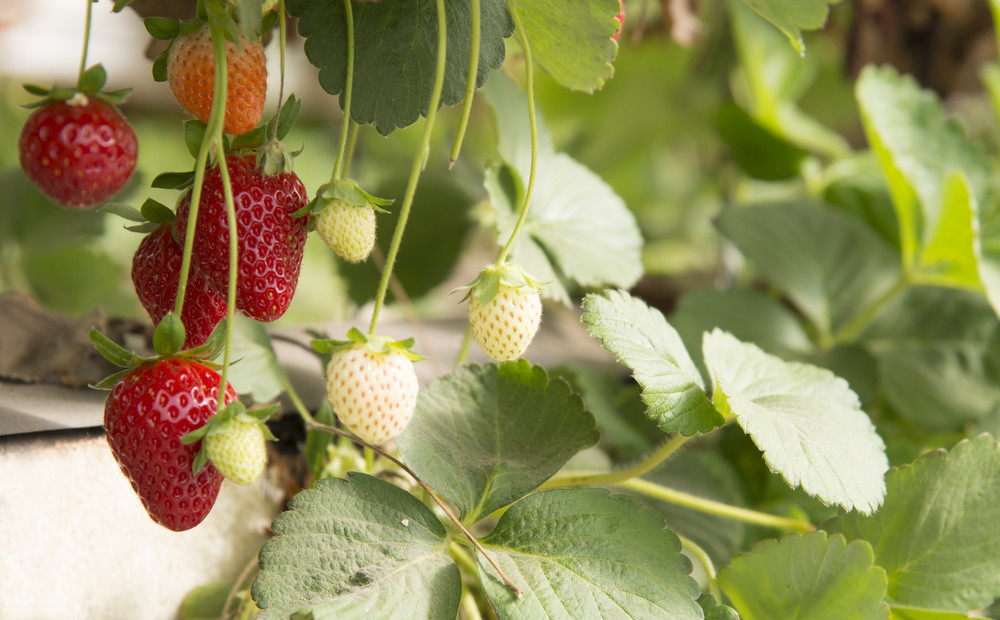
(86, 39)
(470, 83)
(576, 479)
(352, 143)
(227, 192)
(529, 78)
(463, 350)
(851, 331)
(706, 562)
(282, 41)
(338, 164)
(212, 140)
(419, 161)
(701, 504)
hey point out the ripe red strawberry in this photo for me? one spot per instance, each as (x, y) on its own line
(79, 151)
(191, 75)
(505, 310)
(271, 241)
(373, 388)
(145, 416)
(349, 230)
(156, 272)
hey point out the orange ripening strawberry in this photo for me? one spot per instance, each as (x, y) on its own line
(191, 75)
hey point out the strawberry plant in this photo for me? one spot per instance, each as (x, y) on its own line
(789, 274)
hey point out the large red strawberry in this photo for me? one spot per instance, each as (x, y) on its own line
(79, 151)
(271, 241)
(191, 76)
(147, 413)
(156, 272)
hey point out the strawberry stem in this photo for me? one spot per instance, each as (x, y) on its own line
(215, 127)
(470, 81)
(86, 40)
(282, 41)
(423, 153)
(339, 166)
(529, 78)
(706, 562)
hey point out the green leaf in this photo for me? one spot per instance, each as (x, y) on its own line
(349, 546)
(831, 266)
(484, 436)
(808, 577)
(715, 610)
(908, 613)
(75, 278)
(806, 421)
(639, 336)
(936, 351)
(206, 602)
(950, 256)
(395, 53)
(585, 553)
(257, 372)
(918, 147)
(856, 186)
(749, 314)
(760, 152)
(173, 180)
(161, 27)
(793, 16)
(578, 231)
(771, 79)
(937, 534)
(112, 351)
(578, 52)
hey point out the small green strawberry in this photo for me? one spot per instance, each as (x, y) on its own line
(345, 218)
(235, 442)
(505, 310)
(371, 384)
(349, 230)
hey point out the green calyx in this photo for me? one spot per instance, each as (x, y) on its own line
(88, 87)
(487, 284)
(150, 216)
(376, 344)
(222, 421)
(344, 190)
(168, 342)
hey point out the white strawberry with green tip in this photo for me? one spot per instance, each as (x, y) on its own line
(344, 215)
(235, 442)
(505, 310)
(371, 384)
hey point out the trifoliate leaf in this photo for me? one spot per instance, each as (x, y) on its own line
(483, 436)
(352, 545)
(806, 421)
(806, 576)
(585, 553)
(639, 336)
(395, 54)
(937, 534)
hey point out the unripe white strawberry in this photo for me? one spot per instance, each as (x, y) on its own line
(505, 326)
(239, 452)
(349, 230)
(373, 393)
(505, 310)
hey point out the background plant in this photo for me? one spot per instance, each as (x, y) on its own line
(848, 324)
